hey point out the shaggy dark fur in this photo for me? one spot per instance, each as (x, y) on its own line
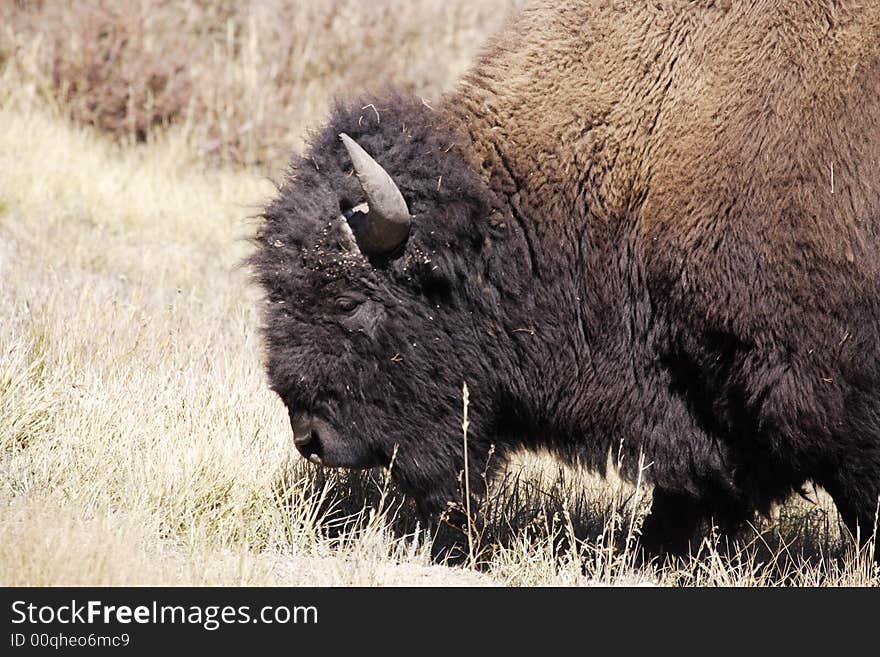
(625, 231)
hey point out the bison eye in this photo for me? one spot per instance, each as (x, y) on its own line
(346, 304)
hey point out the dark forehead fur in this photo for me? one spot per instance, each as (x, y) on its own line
(418, 147)
(302, 262)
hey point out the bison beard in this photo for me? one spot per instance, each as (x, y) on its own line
(621, 237)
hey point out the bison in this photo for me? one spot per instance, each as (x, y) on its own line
(652, 227)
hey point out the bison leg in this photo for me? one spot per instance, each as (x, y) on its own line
(451, 545)
(672, 524)
(858, 506)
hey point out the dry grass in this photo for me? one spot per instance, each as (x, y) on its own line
(244, 79)
(138, 441)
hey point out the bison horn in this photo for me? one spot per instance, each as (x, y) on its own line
(387, 225)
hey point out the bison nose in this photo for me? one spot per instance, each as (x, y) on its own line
(306, 437)
(302, 430)
(316, 439)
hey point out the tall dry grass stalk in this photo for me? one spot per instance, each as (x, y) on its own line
(467, 475)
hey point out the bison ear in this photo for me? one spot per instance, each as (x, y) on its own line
(435, 279)
(386, 224)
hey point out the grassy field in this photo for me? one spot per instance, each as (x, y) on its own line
(138, 441)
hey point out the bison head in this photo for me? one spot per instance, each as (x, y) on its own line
(385, 289)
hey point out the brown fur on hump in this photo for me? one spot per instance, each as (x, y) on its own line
(711, 126)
